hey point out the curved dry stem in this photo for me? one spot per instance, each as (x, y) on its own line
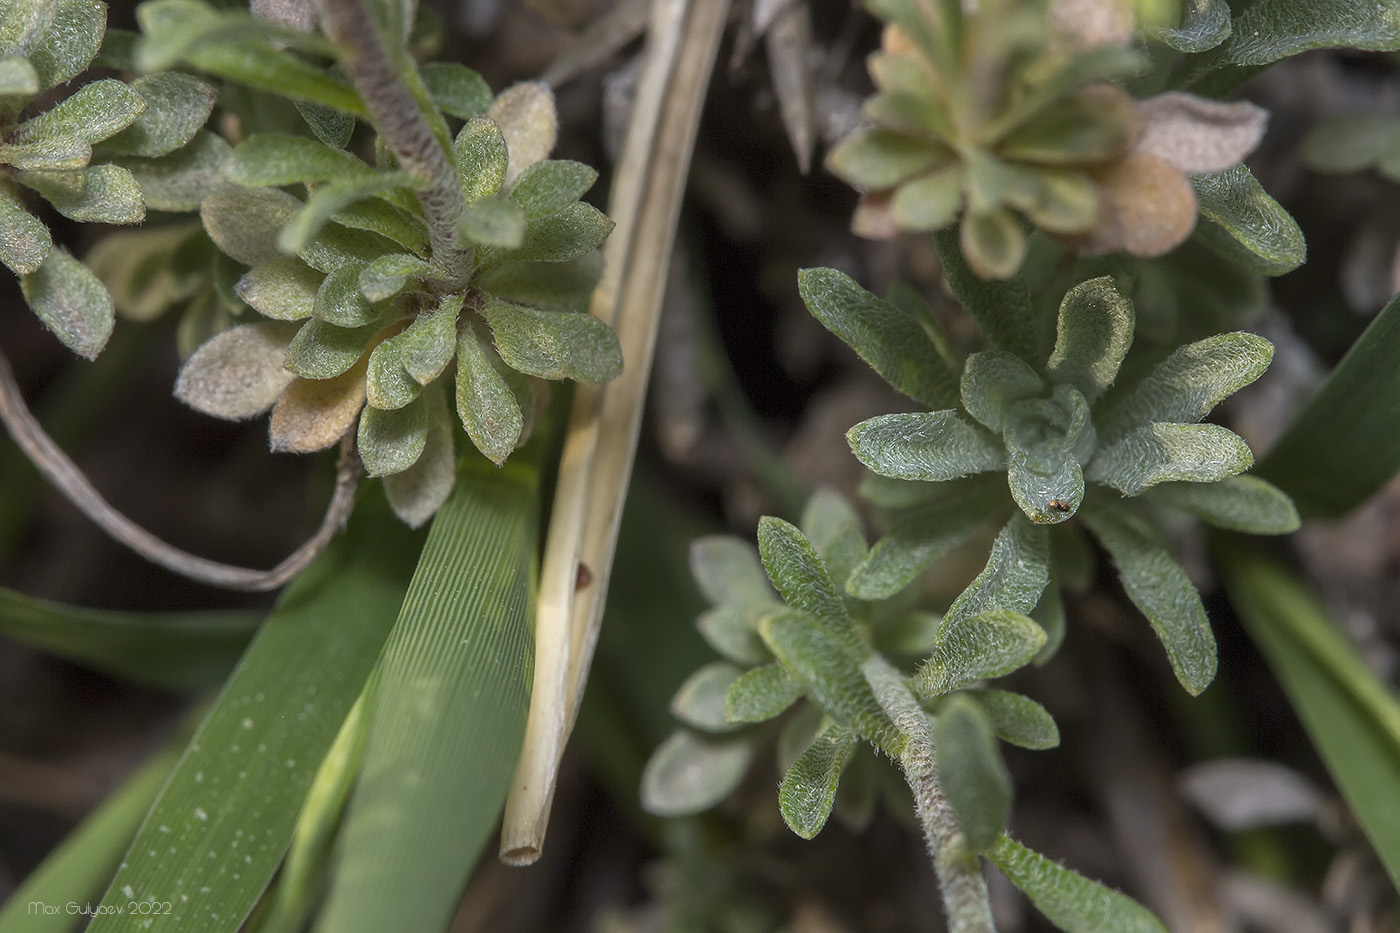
(65, 475)
(959, 872)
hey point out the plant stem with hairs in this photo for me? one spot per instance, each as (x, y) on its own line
(959, 873)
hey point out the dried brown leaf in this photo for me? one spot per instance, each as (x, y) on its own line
(1197, 135)
(1151, 207)
(527, 118)
(873, 218)
(315, 413)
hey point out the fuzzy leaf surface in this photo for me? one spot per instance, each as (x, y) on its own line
(1260, 232)
(891, 338)
(1017, 572)
(551, 344)
(799, 573)
(690, 773)
(24, 240)
(808, 789)
(927, 446)
(417, 493)
(238, 374)
(71, 302)
(971, 771)
(1018, 719)
(972, 648)
(1275, 29)
(177, 105)
(1240, 503)
(103, 194)
(1160, 588)
(760, 694)
(456, 89)
(917, 539)
(392, 441)
(551, 185)
(1094, 332)
(1069, 900)
(700, 701)
(994, 380)
(1161, 453)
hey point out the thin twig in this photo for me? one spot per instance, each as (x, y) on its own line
(64, 474)
(395, 115)
(959, 872)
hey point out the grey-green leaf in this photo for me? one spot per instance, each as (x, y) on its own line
(274, 159)
(71, 302)
(733, 633)
(1160, 453)
(339, 300)
(95, 112)
(799, 573)
(1185, 386)
(387, 382)
(917, 539)
(928, 446)
(182, 180)
(828, 663)
(1240, 503)
(1018, 719)
(244, 223)
(550, 286)
(831, 525)
(283, 288)
(1001, 307)
(481, 158)
(485, 403)
(392, 441)
(994, 380)
(237, 374)
(24, 240)
(1017, 572)
(493, 221)
(456, 89)
(808, 789)
(551, 185)
(689, 773)
(760, 694)
(104, 194)
(1161, 589)
(322, 351)
(700, 701)
(1249, 225)
(973, 648)
(728, 571)
(1094, 332)
(1275, 29)
(566, 234)
(971, 771)
(66, 47)
(1204, 25)
(428, 344)
(176, 107)
(17, 77)
(891, 338)
(417, 493)
(1070, 901)
(388, 275)
(551, 344)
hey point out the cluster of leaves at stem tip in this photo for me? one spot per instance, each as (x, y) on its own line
(985, 119)
(317, 283)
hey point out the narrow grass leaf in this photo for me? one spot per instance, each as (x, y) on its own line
(180, 651)
(220, 828)
(448, 712)
(1352, 717)
(1345, 444)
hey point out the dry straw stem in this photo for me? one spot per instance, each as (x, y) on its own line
(64, 474)
(602, 432)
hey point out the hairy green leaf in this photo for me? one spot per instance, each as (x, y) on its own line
(1160, 453)
(972, 648)
(480, 149)
(283, 288)
(733, 633)
(700, 701)
(689, 773)
(827, 662)
(799, 573)
(17, 77)
(728, 570)
(971, 771)
(388, 275)
(833, 528)
(71, 302)
(493, 221)
(323, 351)
(177, 105)
(24, 240)
(485, 403)
(1204, 25)
(1275, 29)
(875, 159)
(275, 159)
(1257, 230)
(1070, 901)
(387, 382)
(377, 215)
(339, 300)
(328, 199)
(1017, 572)
(1185, 386)
(808, 789)
(1094, 332)
(1001, 308)
(992, 382)
(93, 113)
(329, 126)
(550, 286)
(1017, 719)
(242, 223)
(1162, 591)
(551, 344)
(392, 441)
(104, 194)
(417, 493)
(182, 180)
(893, 339)
(428, 344)
(760, 694)
(456, 89)
(917, 539)
(550, 186)
(1240, 503)
(69, 42)
(927, 446)
(566, 234)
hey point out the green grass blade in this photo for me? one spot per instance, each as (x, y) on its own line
(79, 868)
(1352, 717)
(1345, 445)
(178, 651)
(221, 826)
(447, 713)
